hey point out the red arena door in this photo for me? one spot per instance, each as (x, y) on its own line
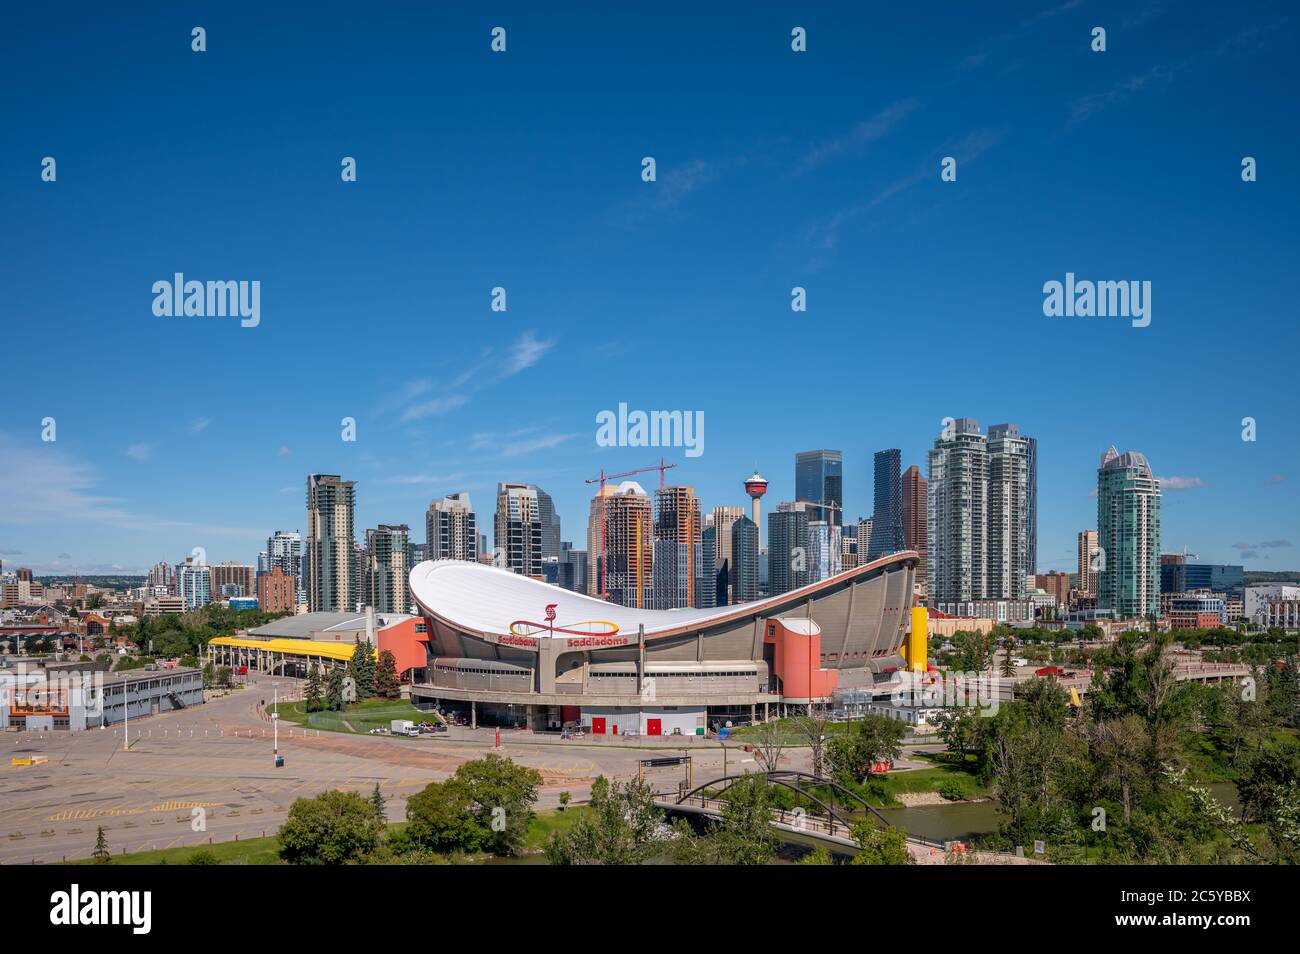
(597, 726)
(654, 727)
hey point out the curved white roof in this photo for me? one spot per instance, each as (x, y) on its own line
(486, 599)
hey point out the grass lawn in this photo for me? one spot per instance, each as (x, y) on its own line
(246, 851)
(791, 735)
(361, 716)
(266, 851)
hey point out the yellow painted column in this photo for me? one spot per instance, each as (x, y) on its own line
(917, 645)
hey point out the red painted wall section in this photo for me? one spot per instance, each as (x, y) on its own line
(406, 644)
(798, 659)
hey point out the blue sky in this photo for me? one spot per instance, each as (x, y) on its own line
(522, 170)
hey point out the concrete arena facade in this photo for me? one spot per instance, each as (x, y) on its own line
(491, 645)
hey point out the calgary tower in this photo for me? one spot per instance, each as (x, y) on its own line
(756, 486)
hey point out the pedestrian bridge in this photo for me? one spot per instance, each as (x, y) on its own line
(827, 818)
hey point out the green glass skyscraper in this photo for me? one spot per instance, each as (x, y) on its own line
(1128, 535)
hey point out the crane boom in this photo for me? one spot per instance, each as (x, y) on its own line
(661, 467)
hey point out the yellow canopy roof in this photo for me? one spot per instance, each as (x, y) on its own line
(293, 647)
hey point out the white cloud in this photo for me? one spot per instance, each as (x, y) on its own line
(49, 486)
(140, 451)
(199, 425)
(435, 407)
(1180, 483)
(526, 352)
(861, 135)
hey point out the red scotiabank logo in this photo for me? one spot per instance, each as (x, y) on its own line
(550, 612)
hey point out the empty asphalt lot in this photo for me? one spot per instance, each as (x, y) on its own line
(208, 772)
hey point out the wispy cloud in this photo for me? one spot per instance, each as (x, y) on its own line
(198, 425)
(864, 133)
(825, 235)
(283, 451)
(1266, 545)
(526, 352)
(528, 440)
(433, 408)
(141, 451)
(53, 487)
(1180, 483)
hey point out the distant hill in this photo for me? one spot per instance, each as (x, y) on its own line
(1272, 576)
(116, 581)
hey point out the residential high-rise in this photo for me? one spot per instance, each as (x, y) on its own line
(194, 583)
(628, 545)
(284, 549)
(706, 587)
(677, 556)
(1128, 535)
(865, 528)
(162, 574)
(518, 529)
(1086, 582)
(824, 548)
(573, 568)
(788, 548)
(232, 579)
(744, 556)
(450, 529)
(956, 524)
(331, 543)
(277, 593)
(1032, 504)
(914, 529)
(1008, 513)
(387, 568)
(723, 566)
(887, 521)
(819, 478)
(550, 524)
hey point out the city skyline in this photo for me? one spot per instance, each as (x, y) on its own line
(624, 291)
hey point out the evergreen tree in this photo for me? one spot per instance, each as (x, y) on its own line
(362, 669)
(379, 805)
(387, 684)
(100, 853)
(334, 690)
(313, 692)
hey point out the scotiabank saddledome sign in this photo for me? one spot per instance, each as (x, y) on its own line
(588, 634)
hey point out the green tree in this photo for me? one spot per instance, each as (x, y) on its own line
(332, 828)
(486, 806)
(870, 740)
(313, 692)
(379, 805)
(438, 819)
(387, 685)
(744, 836)
(334, 689)
(361, 667)
(100, 854)
(880, 846)
(620, 827)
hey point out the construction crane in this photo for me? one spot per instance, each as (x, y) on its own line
(661, 467)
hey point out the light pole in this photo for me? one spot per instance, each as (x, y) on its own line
(275, 723)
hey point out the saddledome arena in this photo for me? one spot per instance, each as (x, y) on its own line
(505, 649)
